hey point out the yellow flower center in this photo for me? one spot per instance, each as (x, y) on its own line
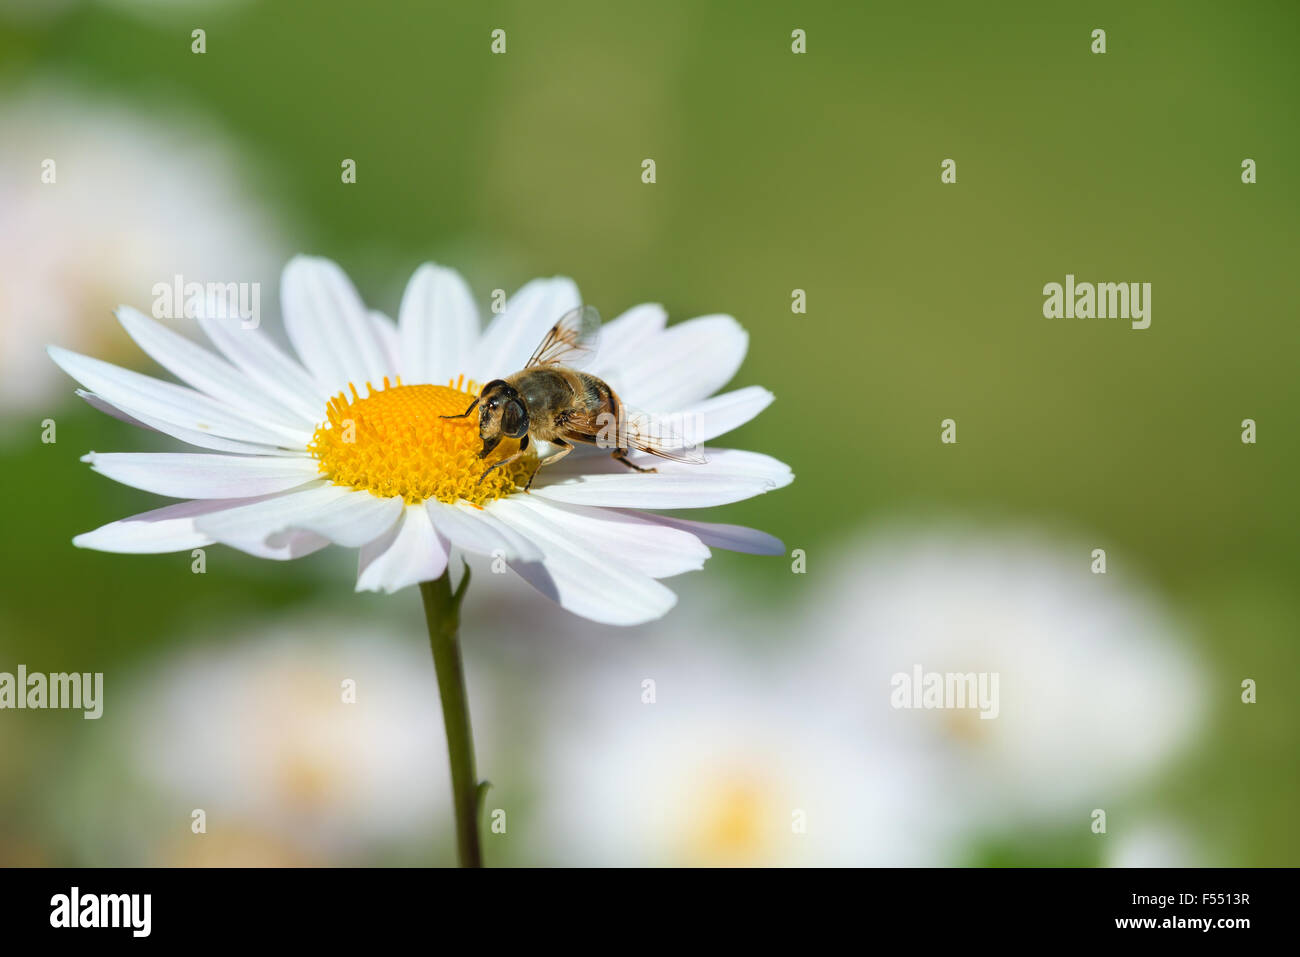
(395, 442)
(734, 825)
(731, 820)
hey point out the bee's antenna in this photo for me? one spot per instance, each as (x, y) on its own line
(471, 408)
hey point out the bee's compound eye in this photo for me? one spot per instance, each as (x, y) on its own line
(514, 420)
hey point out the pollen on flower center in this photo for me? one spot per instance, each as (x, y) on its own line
(394, 441)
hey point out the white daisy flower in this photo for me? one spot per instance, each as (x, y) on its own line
(101, 202)
(727, 766)
(1095, 688)
(305, 735)
(349, 445)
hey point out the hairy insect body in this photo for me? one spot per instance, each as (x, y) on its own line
(552, 402)
(563, 403)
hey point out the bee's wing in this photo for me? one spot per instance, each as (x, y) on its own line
(662, 435)
(634, 431)
(571, 341)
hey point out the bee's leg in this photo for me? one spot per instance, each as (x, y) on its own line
(620, 455)
(496, 465)
(471, 408)
(562, 448)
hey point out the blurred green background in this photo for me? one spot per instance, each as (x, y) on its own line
(774, 172)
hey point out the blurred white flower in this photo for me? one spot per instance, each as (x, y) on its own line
(726, 767)
(758, 716)
(136, 199)
(258, 734)
(1096, 687)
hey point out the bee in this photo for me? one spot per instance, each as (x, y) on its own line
(551, 402)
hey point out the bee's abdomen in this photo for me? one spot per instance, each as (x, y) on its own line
(597, 396)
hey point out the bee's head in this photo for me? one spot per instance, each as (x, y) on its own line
(501, 414)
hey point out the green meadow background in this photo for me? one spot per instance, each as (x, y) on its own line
(774, 172)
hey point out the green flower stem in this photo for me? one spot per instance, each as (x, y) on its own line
(442, 612)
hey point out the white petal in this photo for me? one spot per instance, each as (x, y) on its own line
(438, 325)
(329, 326)
(200, 475)
(735, 463)
(173, 529)
(341, 515)
(202, 440)
(639, 542)
(513, 336)
(354, 520)
(653, 491)
(689, 362)
(456, 567)
(167, 529)
(147, 398)
(720, 414)
(389, 342)
(734, 538)
(285, 546)
(729, 476)
(209, 374)
(108, 408)
(253, 352)
(411, 552)
(583, 579)
(622, 337)
(477, 530)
